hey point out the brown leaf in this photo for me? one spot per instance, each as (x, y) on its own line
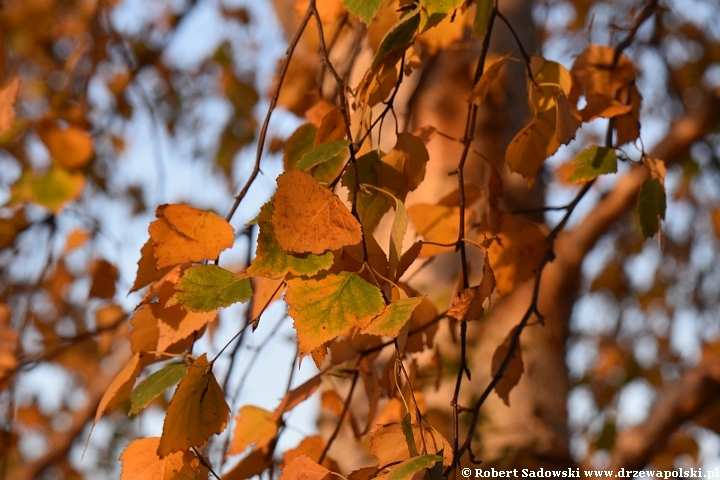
(309, 218)
(250, 466)
(303, 467)
(465, 305)
(197, 410)
(331, 128)
(187, 234)
(104, 276)
(516, 252)
(514, 369)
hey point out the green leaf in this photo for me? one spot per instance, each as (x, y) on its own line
(436, 473)
(393, 317)
(592, 162)
(271, 261)
(326, 308)
(365, 9)
(482, 18)
(406, 425)
(204, 288)
(413, 465)
(155, 385)
(321, 153)
(399, 37)
(651, 206)
(298, 144)
(52, 189)
(437, 10)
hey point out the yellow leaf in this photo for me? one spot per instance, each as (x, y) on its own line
(197, 410)
(296, 396)
(253, 425)
(312, 446)
(140, 462)
(532, 145)
(388, 444)
(120, 388)
(187, 234)
(482, 87)
(52, 189)
(440, 224)
(309, 218)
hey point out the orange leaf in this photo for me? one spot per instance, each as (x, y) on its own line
(187, 234)
(253, 425)
(312, 446)
(76, 239)
(71, 148)
(140, 462)
(197, 410)
(253, 464)
(8, 92)
(512, 373)
(309, 218)
(296, 396)
(177, 324)
(120, 387)
(388, 444)
(104, 276)
(516, 252)
(303, 467)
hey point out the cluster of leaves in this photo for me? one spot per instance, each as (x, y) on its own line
(349, 296)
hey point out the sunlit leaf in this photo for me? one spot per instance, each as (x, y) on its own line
(187, 234)
(197, 410)
(303, 467)
(204, 288)
(253, 426)
(392, 319)
(482, 87)
(323, 309)
(140, 462)
(120, 387)
(308, 218)
(592, 162)
(365, 9)
(52, 189)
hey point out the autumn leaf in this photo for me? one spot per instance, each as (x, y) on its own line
(312, 446)
(120, 387)
(438, 224)
(303, 467)
(187, 234)
(393, 317)
(482, 87)
(296, 396)
(513, 372)
(412, 466)
(388, 444)
(516, 252)
(528, 150)
(326, 308)
(154, 385)
(70, 148)
(140, 462)
(147, 268)
(308, 218)
(197, 410)
(271, 261)
(8, 93)
(365, 9)
(204, 288)
(592, 162)
(105, 275)
(176, 324)
(52, 189)
(253, 426)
